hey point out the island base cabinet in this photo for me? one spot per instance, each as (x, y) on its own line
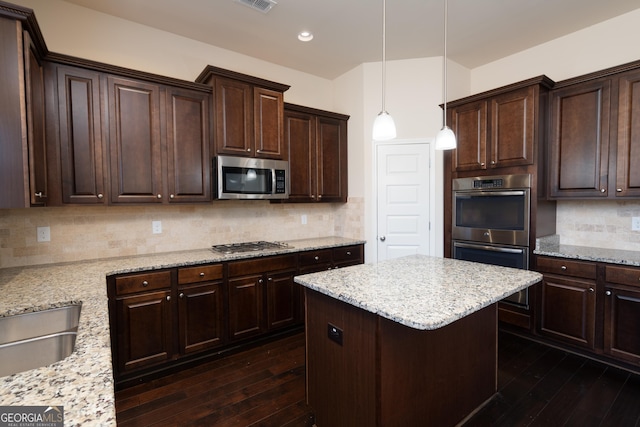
(363, 369)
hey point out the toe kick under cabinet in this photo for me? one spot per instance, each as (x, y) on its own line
(591, 306)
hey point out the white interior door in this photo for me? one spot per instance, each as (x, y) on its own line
(402, 199)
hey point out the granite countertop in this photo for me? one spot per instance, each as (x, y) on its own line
(83, 382)
(420, 291)
(550, 246)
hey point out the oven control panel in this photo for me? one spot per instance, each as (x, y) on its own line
(488, 183)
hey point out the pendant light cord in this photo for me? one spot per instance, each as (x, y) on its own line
(444, 65)
(384, 56)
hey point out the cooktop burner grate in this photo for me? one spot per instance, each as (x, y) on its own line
(234, 248)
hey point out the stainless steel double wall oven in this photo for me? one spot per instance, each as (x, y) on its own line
(491, 223)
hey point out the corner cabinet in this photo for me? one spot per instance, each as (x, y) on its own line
(317, 143)
(500, 128)
(23, 159)
(248, 114)
(594, 135)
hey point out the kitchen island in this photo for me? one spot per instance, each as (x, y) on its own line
(409, 341)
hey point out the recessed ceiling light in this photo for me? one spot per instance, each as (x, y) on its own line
(305, 36)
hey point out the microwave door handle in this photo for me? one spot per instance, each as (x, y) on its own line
(490, 248)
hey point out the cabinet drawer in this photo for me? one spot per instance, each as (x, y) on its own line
(565, 267)
(202, 273)
(622, 275)
(322, 256)
(347, 254)
(131, 284)
(262, 265)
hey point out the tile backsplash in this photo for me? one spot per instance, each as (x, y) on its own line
(92, 232)
(598, 223)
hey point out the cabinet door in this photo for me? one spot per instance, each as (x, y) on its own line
(188, 146)
(135, 141)
(282, 299)
(512, 128)
(35, 124)
(201, 317)
(579, 140)
(268, 112)
(246, 306)
(568, 310)
(233, 117)
(622, 323)
(628, 161)
(300, 135)
(331, 152)
(469, 124)
(81, 142)
(143, 330)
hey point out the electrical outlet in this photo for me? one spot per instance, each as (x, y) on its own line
(44, 234)
(156, 227)
(303, 219)
(635, 223)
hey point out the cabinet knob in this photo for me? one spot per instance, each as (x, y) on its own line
(168, 297)
(201, 274)
(608, 293)
(493, 162)
(181, 295)
(171, 196)
(100, 195)
(591, 290)
(319, 196)
(145, 284)
(159, 196)
(619, 190)
(316, 257)
(482, 164)
(383, 238)
(313, 196)
(38, 194)
(270, 279)
(602, 190)
(349, 253)
(260, 281)
(248, 150)
(563, 268)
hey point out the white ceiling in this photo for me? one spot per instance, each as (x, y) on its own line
(349, 32)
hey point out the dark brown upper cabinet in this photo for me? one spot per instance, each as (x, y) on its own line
(23, 164)
(594, 136)
(248, 114)
(498, 129)
(317, 143)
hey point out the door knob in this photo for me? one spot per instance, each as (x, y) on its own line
(383, 238)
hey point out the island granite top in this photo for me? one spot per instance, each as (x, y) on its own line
(419, 291)
(83, 382)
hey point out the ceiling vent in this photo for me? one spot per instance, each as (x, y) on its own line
(263, 6)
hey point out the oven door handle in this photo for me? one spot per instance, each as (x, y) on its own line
(489, 248)
(489, 193)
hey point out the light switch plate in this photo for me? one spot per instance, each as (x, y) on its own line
(635, 223)
(156, 227)
(44, 234)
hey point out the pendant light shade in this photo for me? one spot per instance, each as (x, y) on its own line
(384, 128)
(445, 139)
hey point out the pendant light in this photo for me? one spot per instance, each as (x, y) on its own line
(445, 139)
(384, 128)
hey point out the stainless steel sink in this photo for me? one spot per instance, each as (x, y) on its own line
(32, 340)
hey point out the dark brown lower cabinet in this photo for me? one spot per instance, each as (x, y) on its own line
(262, 295)
(144, 336)
(622, 313)
(568, 310)
(593, 306)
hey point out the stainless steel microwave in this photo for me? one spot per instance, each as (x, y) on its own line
(250, 178)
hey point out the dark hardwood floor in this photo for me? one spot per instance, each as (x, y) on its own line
(265, 386)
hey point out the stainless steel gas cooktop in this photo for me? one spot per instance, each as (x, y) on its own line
(234, 248)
